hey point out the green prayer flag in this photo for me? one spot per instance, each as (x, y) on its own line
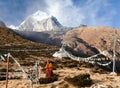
(2, 57)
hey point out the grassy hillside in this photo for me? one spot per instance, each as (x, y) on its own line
(87, 40)
(22, 48)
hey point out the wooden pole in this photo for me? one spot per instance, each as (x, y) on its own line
(114, 54)
(31, 84)
(7, 68)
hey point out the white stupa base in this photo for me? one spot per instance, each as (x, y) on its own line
(113, 73)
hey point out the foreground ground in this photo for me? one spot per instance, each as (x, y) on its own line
(65, 68)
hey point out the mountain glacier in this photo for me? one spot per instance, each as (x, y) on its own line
(40, 21)
(13, 27)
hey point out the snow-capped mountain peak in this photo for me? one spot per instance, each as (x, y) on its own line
(40, 21)
(39, 15)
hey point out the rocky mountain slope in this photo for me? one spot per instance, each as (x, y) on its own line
(90, 40)
(46, 37)
(2, 24)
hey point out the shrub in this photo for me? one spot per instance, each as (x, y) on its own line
(81, 80)
(48, 80)
(4, 70)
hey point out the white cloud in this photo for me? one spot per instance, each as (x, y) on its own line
(98, 12)
(71, 15)
(33, 6)
(65, 11)
(90, 12)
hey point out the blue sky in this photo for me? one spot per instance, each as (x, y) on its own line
(68, 12)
